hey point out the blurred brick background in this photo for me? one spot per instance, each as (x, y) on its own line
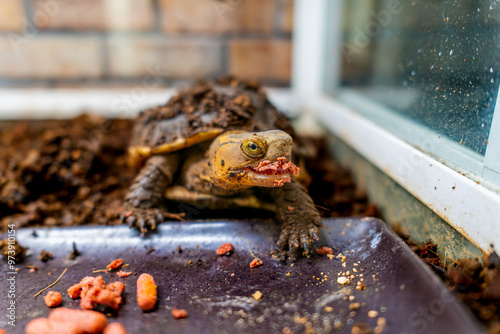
(95, 43)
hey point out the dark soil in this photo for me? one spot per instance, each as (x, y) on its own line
(476, 283)
(74, 172)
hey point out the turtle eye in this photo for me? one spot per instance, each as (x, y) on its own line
(253, 148)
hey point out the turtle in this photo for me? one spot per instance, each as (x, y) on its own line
(219, 144)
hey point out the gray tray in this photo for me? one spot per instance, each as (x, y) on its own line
(217, 291)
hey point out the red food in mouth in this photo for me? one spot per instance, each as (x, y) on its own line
(279, 167)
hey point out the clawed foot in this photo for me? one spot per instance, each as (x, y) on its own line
(299, 234)
(146, 220)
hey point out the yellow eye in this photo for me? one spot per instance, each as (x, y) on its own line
(253, 148)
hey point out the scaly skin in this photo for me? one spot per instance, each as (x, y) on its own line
(146, 193)
(235, 161)
(299, 219)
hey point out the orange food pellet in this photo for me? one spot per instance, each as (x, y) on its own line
(225, 249)
(115, 264)
(68, 321)
(2, 331)
(93, 291)
(255, 263)
(179, 314)
(114, 328)
(75, 291)
(324, 251)
(53, 299)
(122, 273)
(146, 292)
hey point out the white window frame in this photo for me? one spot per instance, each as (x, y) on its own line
(472, 207)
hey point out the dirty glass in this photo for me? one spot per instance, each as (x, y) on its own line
(436, 62)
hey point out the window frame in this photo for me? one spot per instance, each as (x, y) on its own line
(470, 203)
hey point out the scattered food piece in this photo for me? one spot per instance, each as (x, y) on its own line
(45, 256)
(115, 264)
(291, 208)
(337, 324)
(53, 299)
(361, 328)
(342, 280)
(354, 306)
(94, 292)
(179, 314)
(255, 263)
(2, 331)
(372, 314)
(381, 321)
(68, 321)
(360, 286)
(351, 298)
(257, 295)
(122, 273)
(324, 251)
(225, 249)
(115, 328)
(328, 309)
(146, 292)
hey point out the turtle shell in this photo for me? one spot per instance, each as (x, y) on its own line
(200, 114)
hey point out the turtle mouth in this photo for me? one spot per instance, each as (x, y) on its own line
(273, 174)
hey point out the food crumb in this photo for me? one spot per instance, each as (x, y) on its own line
(291, 208)
(324, 251)
(361, 329)
(179, 313)
(225, 249)
(255, 263)
(342, 280)
(53, 299)
(115, 264)
(257, 295)
(354, 306)
(114, 328)
(372, 314)
(328, 308)
(122, 273)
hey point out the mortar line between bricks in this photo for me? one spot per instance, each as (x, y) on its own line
(225, 55)
(28, 12)
(105, 57)
(158, 19)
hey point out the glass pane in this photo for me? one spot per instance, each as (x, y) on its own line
(436, 62)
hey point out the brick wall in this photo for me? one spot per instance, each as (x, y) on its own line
(60, 43)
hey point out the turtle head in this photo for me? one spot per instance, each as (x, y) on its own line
(245, 159)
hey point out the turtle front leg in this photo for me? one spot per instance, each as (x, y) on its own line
(299, 219)
(146, 193)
